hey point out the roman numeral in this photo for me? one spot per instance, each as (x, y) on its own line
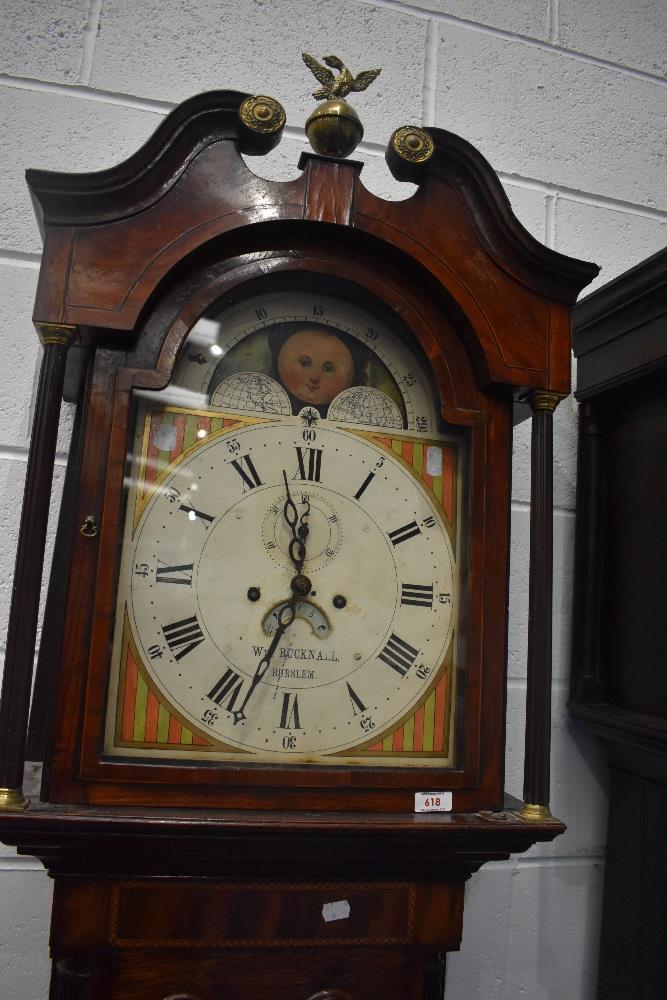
(402, 534)
(358, 707)
(226, 690)
(249, 477)
(289, 715)
(398, 654)
(184, 636)
(417, 594)
(364, 486)
(194, 515)
(314, 463)
(174, 574)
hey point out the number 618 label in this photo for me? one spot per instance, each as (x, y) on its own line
(433, 802)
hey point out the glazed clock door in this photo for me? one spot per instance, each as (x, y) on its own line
(290, 587)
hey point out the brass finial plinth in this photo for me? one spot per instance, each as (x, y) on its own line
(534, 813)
(334, 128)
(62, 334)
(12, 800)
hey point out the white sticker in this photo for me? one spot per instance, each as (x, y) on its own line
(164, 438)
(340, 910)
(434, 461)
(433, 802)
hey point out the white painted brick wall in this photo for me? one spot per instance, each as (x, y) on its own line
(565, 99)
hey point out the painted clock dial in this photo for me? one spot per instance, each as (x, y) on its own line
(300, 411)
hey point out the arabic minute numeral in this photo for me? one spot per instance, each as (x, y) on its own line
(423, 671)
(210, 717)
(318, 310)
(155, 652)
(141, 569)
(261, 313)
(429, 521)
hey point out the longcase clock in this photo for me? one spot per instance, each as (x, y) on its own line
(271, 683)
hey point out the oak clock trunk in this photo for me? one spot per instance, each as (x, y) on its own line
(271, 684)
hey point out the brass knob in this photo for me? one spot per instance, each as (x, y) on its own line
(90, 527)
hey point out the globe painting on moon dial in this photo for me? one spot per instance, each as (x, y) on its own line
(290, 585)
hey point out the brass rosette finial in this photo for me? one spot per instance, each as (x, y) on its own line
(412, 144)
(409, 153)
(334, 128)
(262, 121)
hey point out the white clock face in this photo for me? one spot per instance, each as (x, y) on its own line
(257, 648)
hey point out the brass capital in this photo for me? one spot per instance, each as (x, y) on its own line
(262, 114)
(543, 399)
(12, 800)
(56, 333)
(412, 143)
(533, 813)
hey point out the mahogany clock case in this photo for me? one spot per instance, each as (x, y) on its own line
(78, 770)
(134, 256)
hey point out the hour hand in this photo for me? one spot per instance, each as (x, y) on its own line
(298, 526)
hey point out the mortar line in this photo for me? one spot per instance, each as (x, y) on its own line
(80, 92)
(16, 258)
(89, 40)
(20, 864)
(515, 36)
(521, 506)
(554, 21)
(518, 682)
(19, 453)
(430, 72)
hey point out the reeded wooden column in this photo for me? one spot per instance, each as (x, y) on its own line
(22, 631)
(536, 774)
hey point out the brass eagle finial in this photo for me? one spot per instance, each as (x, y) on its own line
(337, 86)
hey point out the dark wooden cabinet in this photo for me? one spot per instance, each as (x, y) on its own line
(619, 681)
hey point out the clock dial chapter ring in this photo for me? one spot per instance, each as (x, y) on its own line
(349, 627)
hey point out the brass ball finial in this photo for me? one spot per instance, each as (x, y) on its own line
(334, 128)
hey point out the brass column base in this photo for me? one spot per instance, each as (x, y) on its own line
(532, 813)
(12, 800)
